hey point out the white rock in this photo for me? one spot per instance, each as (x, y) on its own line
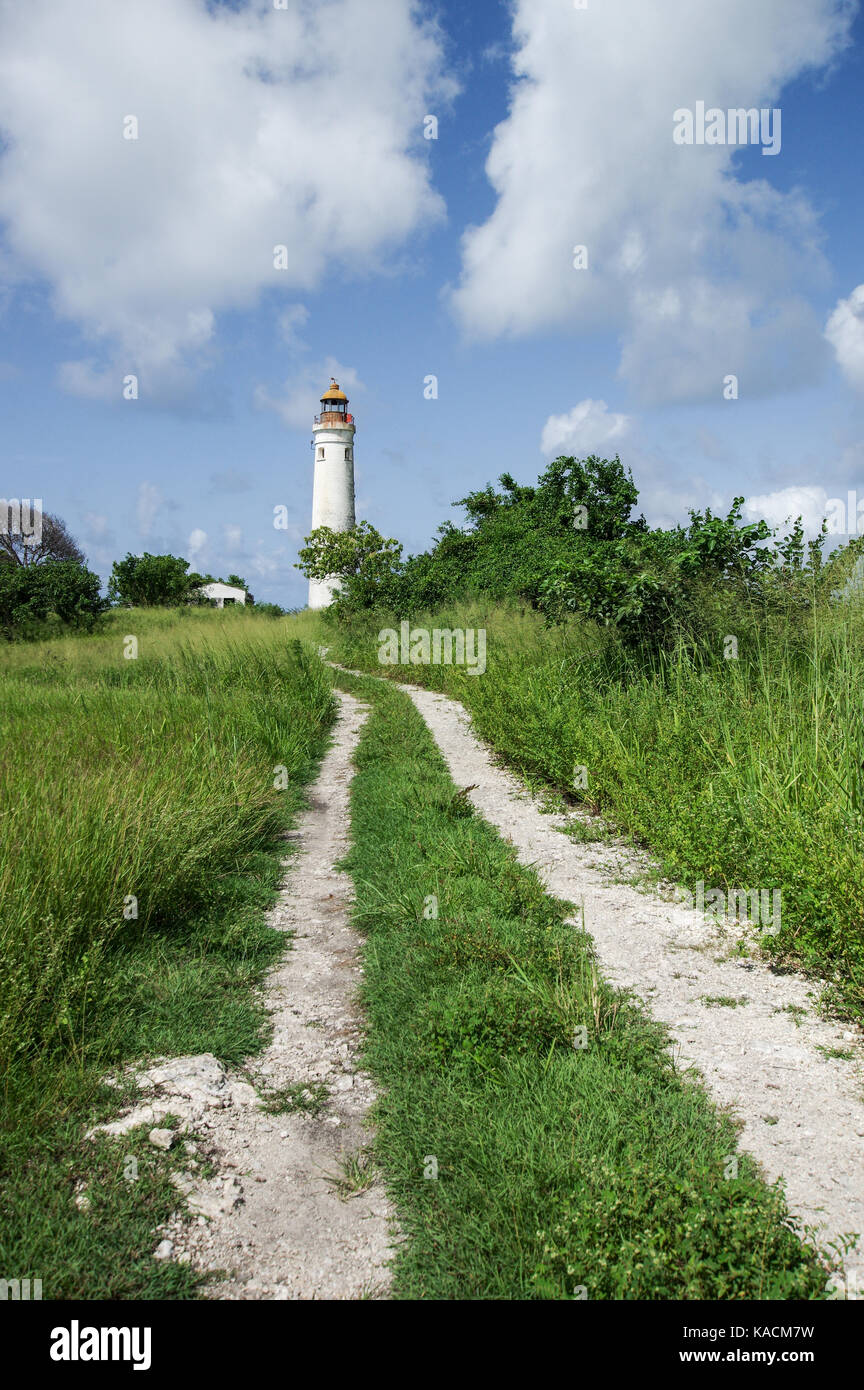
(243, 1094)
(162, 1138)
(141, 1115)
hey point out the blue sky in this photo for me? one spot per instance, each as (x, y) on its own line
(410, 257)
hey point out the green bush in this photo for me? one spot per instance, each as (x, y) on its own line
(32, 595)
(144, 580)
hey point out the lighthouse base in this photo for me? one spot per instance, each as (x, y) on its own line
(322, 592)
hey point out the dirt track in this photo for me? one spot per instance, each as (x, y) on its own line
(802, 1112)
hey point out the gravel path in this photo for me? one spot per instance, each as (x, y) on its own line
(802, 1112)
(279, 1229)
(270, 1219)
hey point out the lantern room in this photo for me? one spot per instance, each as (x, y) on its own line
(334, 407)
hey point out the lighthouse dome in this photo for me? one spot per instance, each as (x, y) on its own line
(334, 394)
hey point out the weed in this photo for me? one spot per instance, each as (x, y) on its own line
(796, 1012)
(356, 1175)
(307, 1098)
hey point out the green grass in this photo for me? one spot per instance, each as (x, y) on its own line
(307, 1097)
(522, 1163)
(355, 1175)
(152, 778)
(745, 774)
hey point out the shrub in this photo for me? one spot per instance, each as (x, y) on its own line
(31, 595)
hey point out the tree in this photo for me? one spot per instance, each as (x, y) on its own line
(657, 587)
(603, 487)
(518, 536)
(238, 583)
(360, 559)
(30, 594)
(54, 541)
(152, 580)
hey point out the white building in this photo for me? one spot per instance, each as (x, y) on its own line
(333, 486)
(221, 593)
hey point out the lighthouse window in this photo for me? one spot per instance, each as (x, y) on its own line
(320, 453)
(348, 454)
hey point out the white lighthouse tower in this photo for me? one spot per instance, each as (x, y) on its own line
(333, 488)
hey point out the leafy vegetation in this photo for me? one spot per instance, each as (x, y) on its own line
(361, 558)
(147, 580)
(570, 545)
(34, 596)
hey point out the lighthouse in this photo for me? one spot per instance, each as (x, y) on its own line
(333, 486)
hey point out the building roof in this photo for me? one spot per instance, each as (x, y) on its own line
(333, 393)
(217, 588)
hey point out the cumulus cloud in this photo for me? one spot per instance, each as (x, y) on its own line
(268, 562)
(585, 429)
(196, 546)
(85, 378)
(300, 399)
(684, 259)
(845, 332)
(784, 505)
(98, 526)
(291, 321)
(256, 128)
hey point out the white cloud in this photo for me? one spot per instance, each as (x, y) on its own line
(291, 320)
(98, 526)
(84, 378)
(196, 546)
(301, 398)
(685, 261)
(274, 564)
(845, 332)
(256, 128)
(149, 504)
(786, 504)
(587, 428)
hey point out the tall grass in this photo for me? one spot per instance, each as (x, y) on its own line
(745, 773)
(126, 783)
(150, 778)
